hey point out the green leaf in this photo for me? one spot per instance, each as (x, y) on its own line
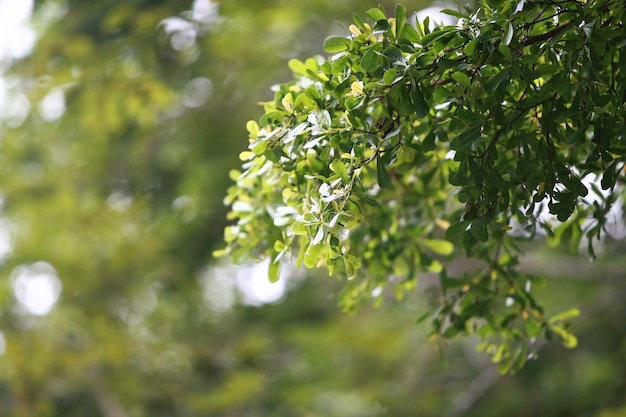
(504, 366)
(297, 66)
(382, 25)
(566, 315)
(376, 14)
(450, 332)
(470, 47)
(358, 21)
(409, 33)
(370, 201)
(454, 13)
(505, 51)
(384, 180)
(390, 76)
(440, 247)
(299, 229)
(274, 270)
(407, 154)
(457, 230)
(533, 328)
(479, 231)
(352, 264)
(577, 135)
(430, 38)
(461, 78)
(465, 140)
(519, 358)
(497, 81)
(569, 340)
(279, 246)
(259, 147)
(302, 252)
(370, 60)
(334, 44)
(420, 105)
(609, 177)
(400, 19)
(508, 35)
(340, 168)
(500, 354)
(312, 255)
(253, 128)
(394, 55)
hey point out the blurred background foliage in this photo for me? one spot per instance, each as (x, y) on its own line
(117, 136)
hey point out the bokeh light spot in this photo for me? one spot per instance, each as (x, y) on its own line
(36, 287)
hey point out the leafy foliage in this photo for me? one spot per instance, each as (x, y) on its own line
(409, 146)
(122, 197)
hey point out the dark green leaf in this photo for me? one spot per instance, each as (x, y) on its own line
(400, 18)
(419, 103)
(432, 37)
(454, 13)
(384, 180)
(577, 135)
(371, 60)
(609, 177)
(456, 230)
(466, 139)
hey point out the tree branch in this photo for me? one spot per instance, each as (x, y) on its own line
(545, 36)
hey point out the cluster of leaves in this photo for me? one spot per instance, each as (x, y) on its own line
(408, 143)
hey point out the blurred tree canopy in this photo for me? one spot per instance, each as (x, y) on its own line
(124, 123)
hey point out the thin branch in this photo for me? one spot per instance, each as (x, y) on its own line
(548, 35)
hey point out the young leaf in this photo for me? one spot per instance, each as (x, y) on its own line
(311, 256)
(334, 44)
(376, 14)
(461, 78)
(440, 247)
(569, 340)
(469, 48)
(274, 270)
(566, 315)
(340, 169)
(253, 128)
(390, 76)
